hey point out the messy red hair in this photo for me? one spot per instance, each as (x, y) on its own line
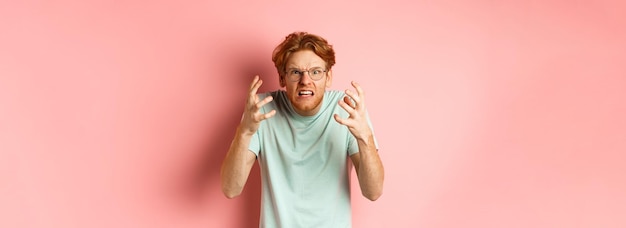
(298, 41)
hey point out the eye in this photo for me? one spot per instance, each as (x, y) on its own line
(295, 72)
(317, 71)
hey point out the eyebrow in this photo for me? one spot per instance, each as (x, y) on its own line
(297, 68)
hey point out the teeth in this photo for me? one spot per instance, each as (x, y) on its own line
(306, 92)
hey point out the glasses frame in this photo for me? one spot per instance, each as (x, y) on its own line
(297, 77)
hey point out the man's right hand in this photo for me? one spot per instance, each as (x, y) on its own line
(252, 116)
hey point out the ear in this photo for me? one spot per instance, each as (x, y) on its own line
(329, 78)
(281, 81)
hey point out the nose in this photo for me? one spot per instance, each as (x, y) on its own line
(305, 78)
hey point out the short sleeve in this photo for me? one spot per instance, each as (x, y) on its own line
(353, 146)
(255, 146)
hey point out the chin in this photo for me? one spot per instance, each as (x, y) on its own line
(305, 106)
(301, 108)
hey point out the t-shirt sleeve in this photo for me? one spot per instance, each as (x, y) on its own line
(255, 145)
(353, 146)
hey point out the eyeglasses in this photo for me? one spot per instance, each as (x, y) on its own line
(316, 74)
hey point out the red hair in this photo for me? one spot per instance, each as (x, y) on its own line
(298, 41)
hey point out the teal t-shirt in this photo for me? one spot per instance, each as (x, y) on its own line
(303, 161)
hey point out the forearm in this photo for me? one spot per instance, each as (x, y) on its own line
(370, 170)
(236, 165)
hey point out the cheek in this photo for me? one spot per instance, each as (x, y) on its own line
(290, 90)
(323, 85)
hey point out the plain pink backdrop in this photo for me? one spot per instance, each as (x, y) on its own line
(488, 113)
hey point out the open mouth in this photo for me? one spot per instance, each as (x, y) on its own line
(303, 93)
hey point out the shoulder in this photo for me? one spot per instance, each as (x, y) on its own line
(279, 102)
(334, 94)
(278, 95)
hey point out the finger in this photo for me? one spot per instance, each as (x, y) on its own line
(254, 86)
(354, 97)
(268, 115)
(359, 90)
(268, 99)
(346, 107)
(254, 81)
(341, 121)
(347, 100)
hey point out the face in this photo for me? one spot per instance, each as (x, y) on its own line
(306, 94)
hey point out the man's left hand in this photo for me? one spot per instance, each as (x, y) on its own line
(357, 121)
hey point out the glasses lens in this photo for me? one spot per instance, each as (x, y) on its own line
(315, 74)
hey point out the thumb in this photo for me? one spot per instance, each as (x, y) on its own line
(339, 119)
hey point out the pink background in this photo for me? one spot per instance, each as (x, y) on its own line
(488, 113)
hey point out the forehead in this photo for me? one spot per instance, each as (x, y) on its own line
(304, 59)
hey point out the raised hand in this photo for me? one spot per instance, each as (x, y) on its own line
(357, 121)
(252, 116)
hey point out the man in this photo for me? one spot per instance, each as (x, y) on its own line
(302, 137)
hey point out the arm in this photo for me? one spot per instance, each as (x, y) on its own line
(367, 163)
(239, 160)
(237, 165)
(369, 169)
